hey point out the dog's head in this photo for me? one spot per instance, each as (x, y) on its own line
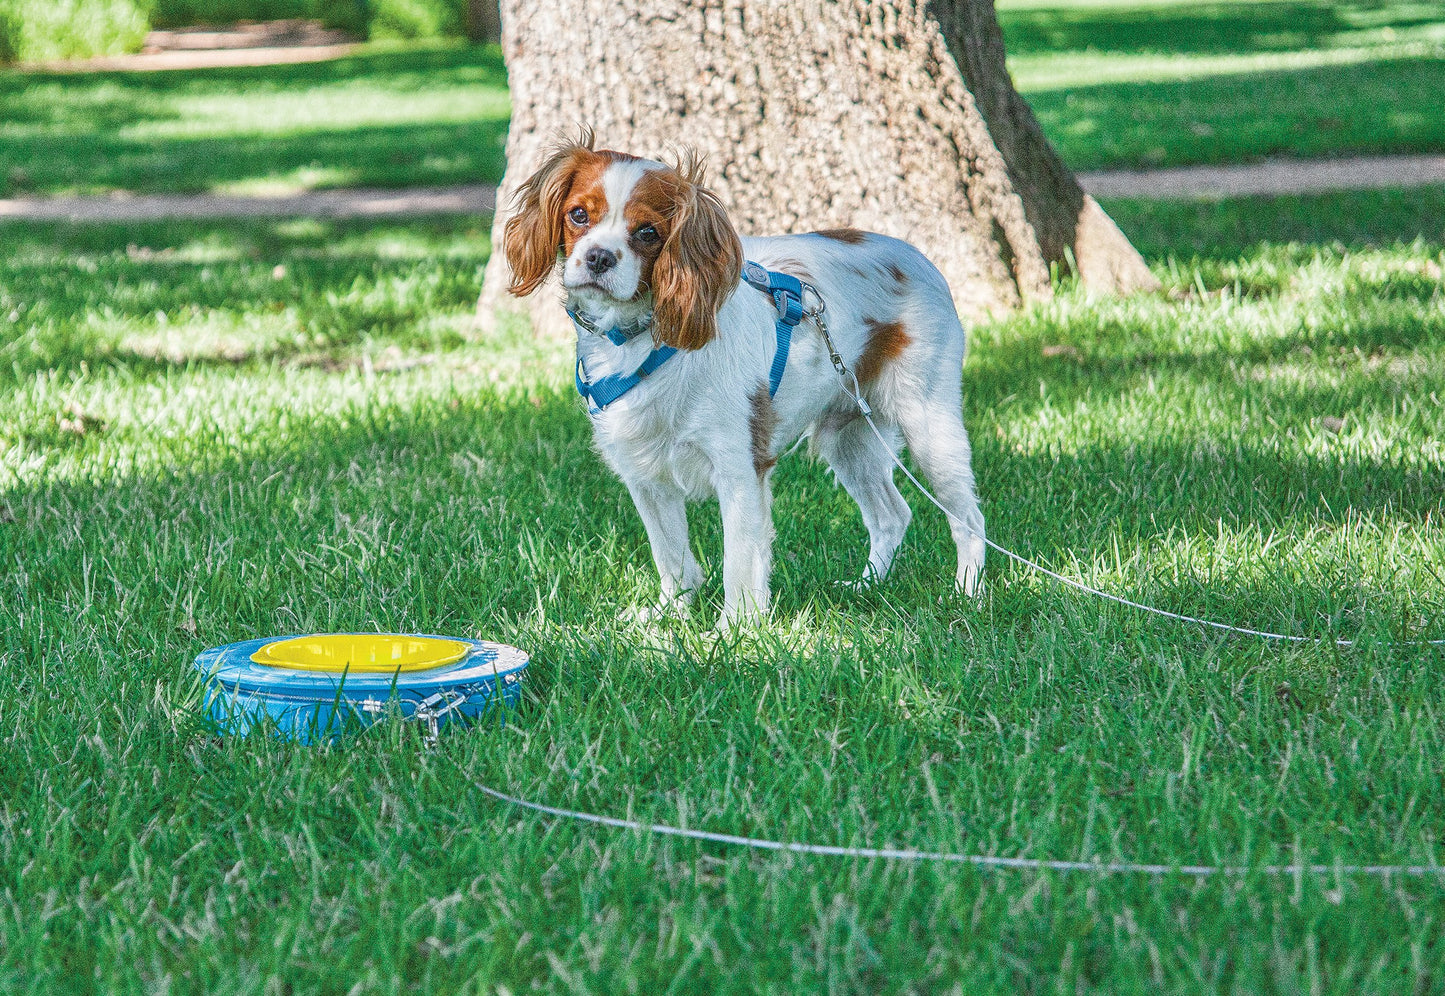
(626, 229)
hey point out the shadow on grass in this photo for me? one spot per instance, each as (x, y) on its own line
(146, 296)
(69, 130)
(543, 494)
(1244, 117)
(466, 512)
(335, 275)
(1202, 28)
(1227, 230)
(1112, 362)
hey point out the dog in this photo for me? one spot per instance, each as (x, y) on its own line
(652, 266)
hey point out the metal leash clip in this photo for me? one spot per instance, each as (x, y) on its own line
(817, 314)
(432, 709)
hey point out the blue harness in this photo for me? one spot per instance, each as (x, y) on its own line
(787, 294)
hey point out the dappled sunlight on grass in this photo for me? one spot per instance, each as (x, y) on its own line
(225, 388)
(1174, 117)
(385, 118)
(1141, 27)
(327, 291)
(1160, 84)
(263, 427)
(299, 179)
(1304, 368)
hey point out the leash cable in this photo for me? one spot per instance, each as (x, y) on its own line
(979, 860)
(856, 394)
(989, 860)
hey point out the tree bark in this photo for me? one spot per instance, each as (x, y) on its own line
(1065, 219)
(884, 115)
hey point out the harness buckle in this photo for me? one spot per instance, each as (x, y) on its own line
(817, 310)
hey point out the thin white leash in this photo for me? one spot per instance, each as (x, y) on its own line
(980, 860)
(1079, 585)
(856, 393)
(988, 860)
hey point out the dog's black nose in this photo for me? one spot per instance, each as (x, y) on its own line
(600, 260)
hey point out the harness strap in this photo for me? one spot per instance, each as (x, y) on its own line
(601, 393)
(787, 294)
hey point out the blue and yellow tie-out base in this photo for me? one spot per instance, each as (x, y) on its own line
(315, 686)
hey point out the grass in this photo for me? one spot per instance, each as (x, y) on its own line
(1287, 228)
(46, 30)
(1117, 84)
(209, 433)
(400, 116)
(1152, 83)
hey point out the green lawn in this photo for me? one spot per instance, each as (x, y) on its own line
(215, 432)
(1169, 82)
(1115, 85)
(386, 117)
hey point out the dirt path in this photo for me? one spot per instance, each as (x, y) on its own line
(1278, 176)
(225, 58)
(1211, 182)
(353, 203)
(265, 43)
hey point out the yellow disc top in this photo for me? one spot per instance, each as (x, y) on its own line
(361, 652)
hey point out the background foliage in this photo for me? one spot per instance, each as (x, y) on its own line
(36, 30)
(40, 30)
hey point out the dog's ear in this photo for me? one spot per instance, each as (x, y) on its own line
(699, 265)
(533, 235)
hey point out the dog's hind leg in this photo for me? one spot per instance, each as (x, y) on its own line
(865, 469)
(664, 515)
(936, 436)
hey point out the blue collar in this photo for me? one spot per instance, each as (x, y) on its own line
(619, 335)
(786, 292)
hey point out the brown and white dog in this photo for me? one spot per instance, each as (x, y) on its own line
(645, 247)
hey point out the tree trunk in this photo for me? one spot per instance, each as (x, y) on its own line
(815, 114)
(1064, 218)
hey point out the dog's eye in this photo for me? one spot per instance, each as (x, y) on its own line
(578, 216)
(647, 235)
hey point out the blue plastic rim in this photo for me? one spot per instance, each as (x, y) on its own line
(242, 696)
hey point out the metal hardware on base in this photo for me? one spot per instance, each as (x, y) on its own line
(430, 711)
